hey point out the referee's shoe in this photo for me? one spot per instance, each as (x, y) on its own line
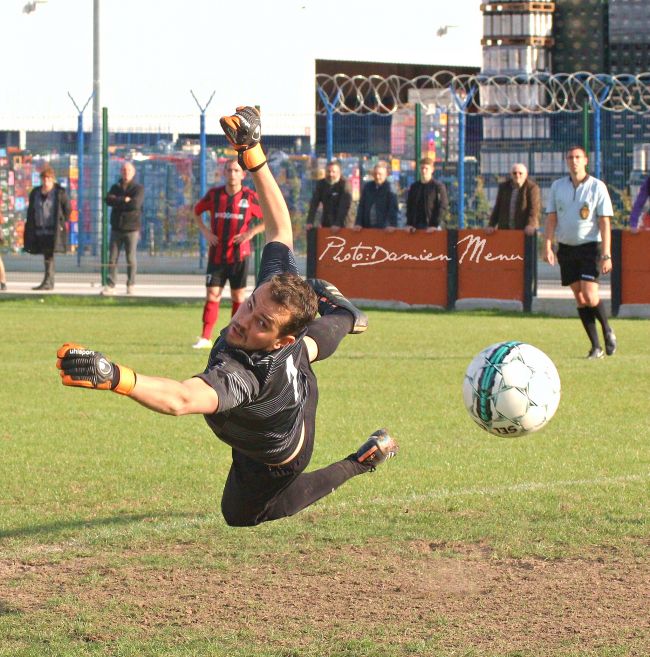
(610, 342)
(377, 449)
(331, 299)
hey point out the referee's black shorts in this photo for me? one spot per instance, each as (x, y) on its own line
(236, 274)
(579, 263)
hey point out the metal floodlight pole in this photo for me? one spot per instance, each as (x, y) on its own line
(81, 233)
(96, 140)
(202, 169)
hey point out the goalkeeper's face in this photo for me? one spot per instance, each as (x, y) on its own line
(257, 324)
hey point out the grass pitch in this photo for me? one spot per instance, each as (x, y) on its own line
(111, 540)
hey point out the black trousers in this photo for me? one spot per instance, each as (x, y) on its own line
(255, 492)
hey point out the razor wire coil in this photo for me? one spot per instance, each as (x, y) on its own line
(536, 93)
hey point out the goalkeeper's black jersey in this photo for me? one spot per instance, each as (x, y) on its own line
(261, 394)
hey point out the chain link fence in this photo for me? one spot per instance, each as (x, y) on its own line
(474, 127)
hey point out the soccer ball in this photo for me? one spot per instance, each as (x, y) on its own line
(511, 388)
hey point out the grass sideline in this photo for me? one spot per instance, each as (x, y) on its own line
(92, 478)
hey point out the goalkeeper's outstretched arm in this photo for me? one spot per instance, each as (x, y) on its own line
(277, 221)
(244, 131)
(175, 397)
(85, 368)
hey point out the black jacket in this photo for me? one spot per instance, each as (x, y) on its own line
(57, 243)
(336, 200)
(431, 210)
(385, 201)
(125, 216)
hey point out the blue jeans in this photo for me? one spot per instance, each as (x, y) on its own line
(128, 240)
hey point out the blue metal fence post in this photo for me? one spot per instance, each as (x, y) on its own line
(81, 234)
(329, 131)
(596, 103)
(462, 105)
(461, 170)
(202, 171)
(203, 182)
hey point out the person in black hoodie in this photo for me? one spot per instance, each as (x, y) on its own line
(125, 199)
(427, 203)
(45, 228)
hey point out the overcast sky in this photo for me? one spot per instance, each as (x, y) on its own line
(257, 52)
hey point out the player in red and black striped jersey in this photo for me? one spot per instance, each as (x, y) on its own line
(258, 392)
(235, 218)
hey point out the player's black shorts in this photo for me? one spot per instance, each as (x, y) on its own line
(236, 274)
(253, 490)
(579, 263)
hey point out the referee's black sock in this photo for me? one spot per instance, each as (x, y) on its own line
(588, 318)
(601, 315)
(328, 331)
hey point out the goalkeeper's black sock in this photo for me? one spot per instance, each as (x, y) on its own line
(328, 331)
(588, 318)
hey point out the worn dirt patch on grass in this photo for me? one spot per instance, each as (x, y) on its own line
(468, 599)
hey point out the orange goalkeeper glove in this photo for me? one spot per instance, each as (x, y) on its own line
(85, 368)
(243, 131)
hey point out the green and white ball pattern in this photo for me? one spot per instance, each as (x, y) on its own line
(511, 389)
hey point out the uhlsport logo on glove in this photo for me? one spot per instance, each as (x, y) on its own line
(81, 352)
(257, 134)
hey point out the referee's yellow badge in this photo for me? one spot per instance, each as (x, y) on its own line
(584, 211)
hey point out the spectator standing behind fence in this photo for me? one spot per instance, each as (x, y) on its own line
(427, 203)
(125, 198)
(378, 203)
(233, 209)
(3, 275)
(518, 203)
(579, 210)
(333, 195)
(638, 218)
(45, 228)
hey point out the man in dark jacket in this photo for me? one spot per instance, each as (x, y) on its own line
(378, 202)
(45, 228)
(518, 203)
(332, 193)
(426, 203)
(125, 198)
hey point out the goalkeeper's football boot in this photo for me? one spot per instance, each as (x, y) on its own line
(244, 131)
(377, 449)
(330, 300)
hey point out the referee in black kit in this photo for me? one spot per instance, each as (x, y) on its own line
(578, 216)
(258, 392)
